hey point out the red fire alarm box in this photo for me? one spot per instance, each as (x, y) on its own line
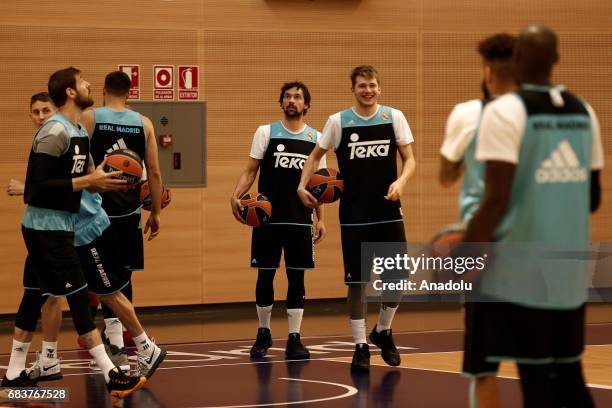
(165, 140)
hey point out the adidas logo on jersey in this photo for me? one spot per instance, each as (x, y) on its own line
(119, 145)
(561, 167)
(372, 148)
(288, 160)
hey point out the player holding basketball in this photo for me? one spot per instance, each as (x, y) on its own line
(457, 156)
(542, 151)
(366, 139)
(279, 150)
(116, 127)
(56, 175)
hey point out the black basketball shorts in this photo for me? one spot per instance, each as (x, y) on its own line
(270, 240)
(352, 238)
(52, 262)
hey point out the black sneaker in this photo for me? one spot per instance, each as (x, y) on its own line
(384, 340)
(262, 343)
(23, 380)
(295, 350)
(121, 385)
(361, 358)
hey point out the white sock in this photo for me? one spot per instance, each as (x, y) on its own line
(144, 345)
(264, 313)
(19, 353)
(358, 327)
(114, 331)
(49, 349)
(102, 360)
(294, 317)
(385, 317)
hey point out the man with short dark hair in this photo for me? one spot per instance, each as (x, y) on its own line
(291, 226)
(59, 168)
(366, 139)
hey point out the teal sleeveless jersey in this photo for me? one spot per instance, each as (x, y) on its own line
(548, 214)
(91, 220)
(54, 217)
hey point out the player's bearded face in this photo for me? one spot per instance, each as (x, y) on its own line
(293, 103)
(83, 99)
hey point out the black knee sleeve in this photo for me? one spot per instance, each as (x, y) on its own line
(537, 385)
(264, 290)
(570, 388)
(296, 293)
(29, 310)
(79, 309)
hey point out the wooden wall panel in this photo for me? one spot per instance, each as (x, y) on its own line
(425, 52)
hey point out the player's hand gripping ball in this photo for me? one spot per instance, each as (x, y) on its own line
(126, 161)
(326, 185)
(256, 209)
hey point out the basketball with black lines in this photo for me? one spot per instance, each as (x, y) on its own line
(126, 161)
(256, 209)
(326, 185)
(145, 196)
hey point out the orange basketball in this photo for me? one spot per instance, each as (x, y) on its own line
(257, 209)
(126, 161)
(145, 196)
(326, 185)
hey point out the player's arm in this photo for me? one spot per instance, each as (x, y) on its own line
(319, 226)
(311, 163)
(597, 160)
(449, 171)
(408, 167)
(499, 177)
(50, 143)
(155, 179)
(403, 139)
(245, 181)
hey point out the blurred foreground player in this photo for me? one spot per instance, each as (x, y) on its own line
(279, 150)
(543, 153)
(55, 177)
(366, 139)
(457, 157)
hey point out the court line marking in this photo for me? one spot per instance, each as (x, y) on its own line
(350, 392)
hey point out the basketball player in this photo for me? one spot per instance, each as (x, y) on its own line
(116, 127)
(56, 176)
(366, 139)
(542, 151)
(457, 157)
(279, 150)
(41, 107)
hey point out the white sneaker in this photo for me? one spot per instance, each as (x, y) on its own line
(147, 364)
(45, 369)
